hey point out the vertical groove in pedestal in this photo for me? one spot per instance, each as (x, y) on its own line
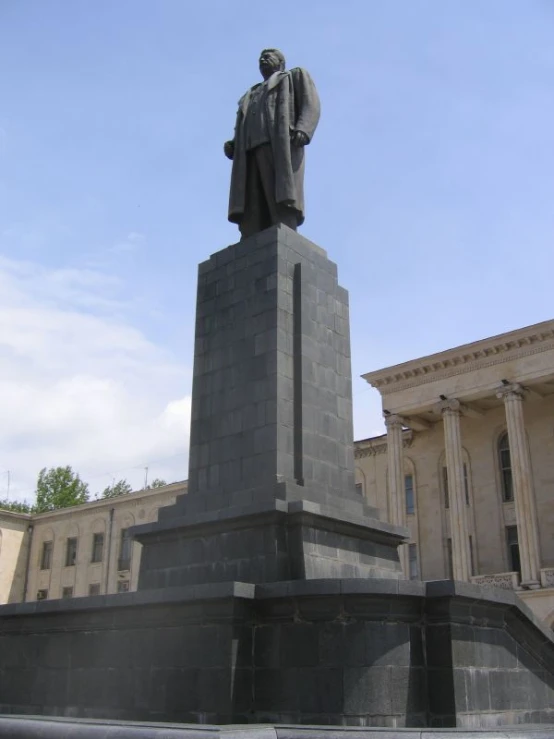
(297, 373)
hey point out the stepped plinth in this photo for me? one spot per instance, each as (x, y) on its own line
(271, 493)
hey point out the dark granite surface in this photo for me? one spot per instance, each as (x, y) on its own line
(365, 652)
(271, 492)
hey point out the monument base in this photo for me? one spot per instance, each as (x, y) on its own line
(271, 492)
(365, 653)
(268, 542)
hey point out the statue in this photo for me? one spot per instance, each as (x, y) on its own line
(276, 119)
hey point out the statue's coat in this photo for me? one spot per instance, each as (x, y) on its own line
(292, 105)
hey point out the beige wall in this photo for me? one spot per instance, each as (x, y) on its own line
(488, 515)
(82, 522)
(14, 538)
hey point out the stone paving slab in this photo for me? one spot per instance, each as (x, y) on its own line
(44, 727)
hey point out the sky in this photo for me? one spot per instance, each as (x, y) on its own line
(430, 181)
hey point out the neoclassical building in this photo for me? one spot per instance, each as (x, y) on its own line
(467, 462)
(84, 550)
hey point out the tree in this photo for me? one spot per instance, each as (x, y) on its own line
(121, 487)
(16, 506)
(59, 487)
(157, 483)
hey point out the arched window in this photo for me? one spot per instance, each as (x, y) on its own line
(444, 481)
(505, 465)
(360, 482)
(409, 494)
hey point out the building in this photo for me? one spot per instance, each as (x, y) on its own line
(467, 463)
(83, 550)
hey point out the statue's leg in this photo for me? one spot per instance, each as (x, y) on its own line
(266, 168)
(288, 216)
(256, 214)
(277, 213)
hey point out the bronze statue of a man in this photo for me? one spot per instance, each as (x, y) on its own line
(276, 119)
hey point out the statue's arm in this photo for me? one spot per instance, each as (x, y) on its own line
(308, 107)
(229, 146)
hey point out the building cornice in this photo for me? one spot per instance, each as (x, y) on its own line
(175, 488)
(378, 445)
(15, 515)
(467, 358)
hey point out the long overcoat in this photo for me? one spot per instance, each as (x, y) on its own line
(292, 105)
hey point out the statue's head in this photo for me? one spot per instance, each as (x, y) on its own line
(271, 60)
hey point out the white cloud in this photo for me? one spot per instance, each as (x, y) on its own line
(131, 243)
(80, 385)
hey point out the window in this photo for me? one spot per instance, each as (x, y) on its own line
(412, 559)
(42, 594)
(71, 552)
(360, 488)
(449, 561)
(409, 493)
(94, 588)
(445, 485)
(67, 592)
(46, 556)
(97, 547)
(124, 551)
(466, 484)
(513, 548)
(505, 464)
(123, 586)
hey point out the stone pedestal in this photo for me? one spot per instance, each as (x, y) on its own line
(360, 653)
(314, 634)
(271, 492)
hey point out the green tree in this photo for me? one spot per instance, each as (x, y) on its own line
(16, 506)
(157, 483)
(121, 487)
(59, 487)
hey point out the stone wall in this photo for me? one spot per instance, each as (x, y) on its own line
(360, 652)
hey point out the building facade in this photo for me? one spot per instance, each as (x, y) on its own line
(83, 550)
(467, 463)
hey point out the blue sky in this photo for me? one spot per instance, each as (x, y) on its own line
(430, 181)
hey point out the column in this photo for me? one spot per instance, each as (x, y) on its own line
(395, 460)
(395, 455)
(461, 558)
(526, 514)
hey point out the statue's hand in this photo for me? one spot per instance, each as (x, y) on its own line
(299, 138)
(229, 149)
